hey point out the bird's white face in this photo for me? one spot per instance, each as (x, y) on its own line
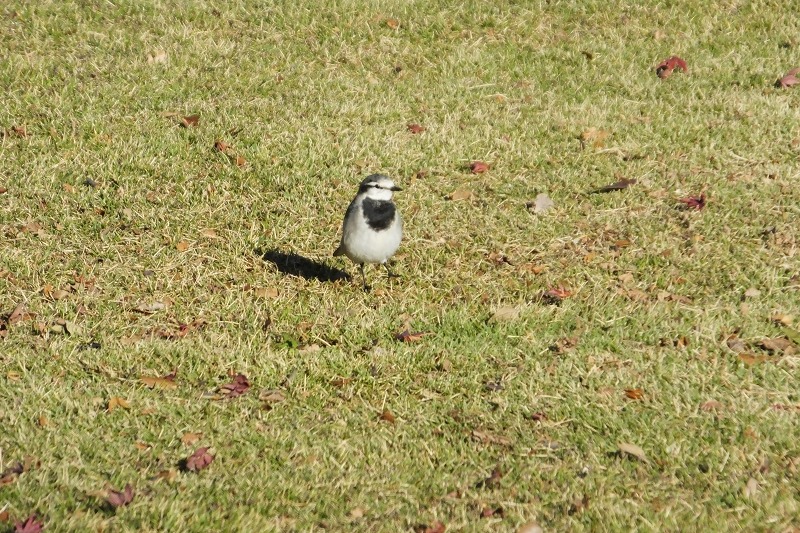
(378, 188)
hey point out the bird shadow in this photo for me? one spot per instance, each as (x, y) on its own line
(297, 265)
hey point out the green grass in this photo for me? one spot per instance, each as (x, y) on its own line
(316, 97)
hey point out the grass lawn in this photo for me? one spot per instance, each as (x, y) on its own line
(172, 181)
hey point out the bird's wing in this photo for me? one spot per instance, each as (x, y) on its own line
(340, 250)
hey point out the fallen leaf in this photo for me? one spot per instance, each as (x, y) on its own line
(3, 190)
(393, 23)
(789, 79)
(43, 421)
(164, 382)
(221, 146)
(148, 308)
(415, 128)
(736, 344)
(710, 405)
(634, 394)
(461, 194)
(751, 488)
(387, 416)
(778, 344)
(240, 161)
(750, 359)
(272, 396)
(266, 292)
(199, 460)
(624, 183)
(158, 57)
(782, 319)
(408, 336)
(752, 292)
(488, 438)
(478, 167)
(694, 202)
(632, 450)
(555, 296)
(190, 438)
(665, 68)
(357, 513)
(182, 246)
(541, 205)
(30, 525)
(116, 498)
(190, 121)
(237, 387)
(115, 402)
(10, 474)
(505, 313)
(340, 382)
(595, 137)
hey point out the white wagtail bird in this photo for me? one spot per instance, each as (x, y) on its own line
(372, 227)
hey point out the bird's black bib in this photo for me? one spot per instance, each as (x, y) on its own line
(379, 214)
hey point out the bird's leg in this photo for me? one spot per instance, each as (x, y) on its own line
(389, 271)
(364, 277)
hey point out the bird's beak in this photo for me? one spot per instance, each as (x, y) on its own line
(396, 188)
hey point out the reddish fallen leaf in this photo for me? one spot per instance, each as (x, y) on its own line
(30, 525)
(3, 190)
(199, 460)
(665, 68)
(190, 121)
(408, 336)
(221, 146)
(624, 183)
(387, 416)
(634, 394)
(694, 202)
(555, 296)
(19, 131)
(237, 387)
(415, 128)
(117, 498)
(478, 167)
(789, 79)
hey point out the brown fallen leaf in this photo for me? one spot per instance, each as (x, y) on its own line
(736, 344)
(115, 402)
(632, 450)
(409, 336)
(624, 183)
(3, 190)
(789, 79)
(237, 387)
(710, 405)
(199, 460)
(221, 146)
(29, 525)
(555, 296)
(190, 438)
(634, 394)
(694, 202)
(478, 167)
(387, 416)
(778, 344)
(750, 359)
(117, 498)
(782, 319)
(415, 128)
(182, 246)
(595, 137)
(190, 121)
(393, 23)
(164, 382)
(665, 68)
(460, 194)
